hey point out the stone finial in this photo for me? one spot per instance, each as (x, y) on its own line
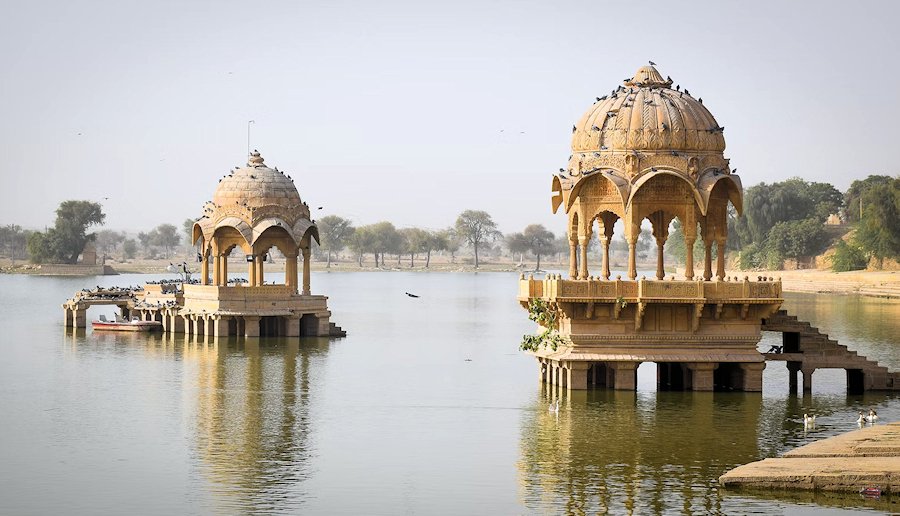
(255, 159)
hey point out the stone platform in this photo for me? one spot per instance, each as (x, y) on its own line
(844, 463)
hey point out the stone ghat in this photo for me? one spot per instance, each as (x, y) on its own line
(845, 463)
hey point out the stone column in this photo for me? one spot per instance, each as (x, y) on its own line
(220, 326)
(702, 375)
(689, 259)
(577, 375)
(80, 318)
(632, 259)
(573, 259)
(660, 267)
(260, 273)
(251, 271)
(707, 262)
(793, 369)
(68, 318)
(293, 326)
(807, 378)
(626, 375)
(290, 271)
(720, 258)
(204, 269)
(251, 326)
(224, 270)
(196, 322)
(306, 271)
(753, 376)
(583, 265)
(604, 244)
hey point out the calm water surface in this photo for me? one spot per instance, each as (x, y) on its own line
(427, 407)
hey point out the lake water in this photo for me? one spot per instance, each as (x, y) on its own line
(426, 407)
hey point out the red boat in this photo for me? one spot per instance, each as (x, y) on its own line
(870, 491)
(123, 325)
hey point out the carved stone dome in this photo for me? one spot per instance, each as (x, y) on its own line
(647, 114)
(257, 185)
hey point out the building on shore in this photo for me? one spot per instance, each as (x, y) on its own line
(651, 152)
(253, 209)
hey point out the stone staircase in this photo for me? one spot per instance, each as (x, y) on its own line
(805, 345)
(336, 331)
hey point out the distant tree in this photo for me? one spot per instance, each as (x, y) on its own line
(790, 200)
(857, 188)
(14, 241)
(476, 227)
(847, 257)
(878, 231)
(453, 242)
(386, 239)
(188, 228)
(362, 241)
(416, 241)
(796, 239)
(129, 248)
(437, 241)
(335, 233)
(517, 244)
(108, 240)
(535, 239)
(66, 239)
(165, 236)
(146, 240)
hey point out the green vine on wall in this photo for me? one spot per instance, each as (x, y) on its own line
(541, 313)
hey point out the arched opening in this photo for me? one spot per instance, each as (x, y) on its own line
(309, 325)
(728, 377)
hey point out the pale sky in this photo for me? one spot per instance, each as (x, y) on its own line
(393, 110)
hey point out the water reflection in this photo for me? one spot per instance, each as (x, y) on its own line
(247, 406)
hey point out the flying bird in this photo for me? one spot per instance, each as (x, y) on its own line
(411, 295)
(652, 63)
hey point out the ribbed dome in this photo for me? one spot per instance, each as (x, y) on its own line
(647, 114)
(257, 185)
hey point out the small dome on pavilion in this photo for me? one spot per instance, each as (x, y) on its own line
(257, 185)
(647, 114)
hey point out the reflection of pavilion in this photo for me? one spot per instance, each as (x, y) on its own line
(253, 420)
(615, 452)
(651, 152)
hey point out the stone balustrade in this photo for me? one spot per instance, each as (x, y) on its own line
(555, 288)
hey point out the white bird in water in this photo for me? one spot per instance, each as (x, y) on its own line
(861, 420)
(809, 420)
(872, 417)
(554, 407)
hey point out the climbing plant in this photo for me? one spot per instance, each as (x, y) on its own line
(541, 313)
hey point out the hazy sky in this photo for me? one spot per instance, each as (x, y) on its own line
(394, 110)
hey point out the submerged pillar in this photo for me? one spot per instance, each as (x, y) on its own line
(251, 325)
(625, 375)
(577, 375)
(807, 379)
(702, 375)
(753, 376)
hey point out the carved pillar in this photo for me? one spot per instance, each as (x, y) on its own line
(632, 259)
(689, 259)
(632, 234)
(573, 259)
(604, 243)
(660, 267)
(260, 271)
(306, 271)
(707, 262)
(720, 258)
(251, 271)
(583, 243)
(224, 270)
(220, 326)
(204, 268)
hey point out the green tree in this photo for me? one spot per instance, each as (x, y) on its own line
(416, 241)
(852, 207)
(66, 239)
(878, 231)
(535, 239)
(165, 236)
(14, 241)
(129, 248)
(385, 239)
(335, 233)
(437, 241)
(847, 257)
(188, 228)
(108, 240)
(796, 239)
(452, 242)
(476, 227)
(363, 241)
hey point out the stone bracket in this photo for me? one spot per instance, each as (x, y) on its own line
(639, 315)
(719, 307)
(745, 310)
(698, 312)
